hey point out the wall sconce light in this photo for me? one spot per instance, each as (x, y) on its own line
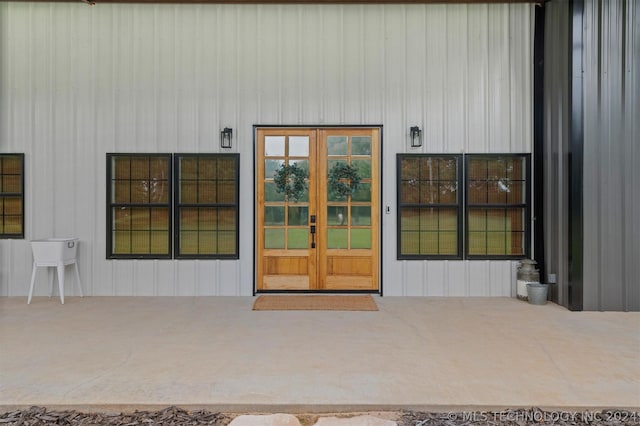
(225, 137)
(416, 136)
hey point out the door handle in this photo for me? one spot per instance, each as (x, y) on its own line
(313, 236)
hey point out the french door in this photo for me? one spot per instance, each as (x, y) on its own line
(317, 202)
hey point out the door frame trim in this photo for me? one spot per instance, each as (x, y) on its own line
(380, 290)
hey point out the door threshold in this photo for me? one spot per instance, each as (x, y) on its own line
(323, 292)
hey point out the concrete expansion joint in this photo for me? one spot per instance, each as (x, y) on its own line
(291, 420)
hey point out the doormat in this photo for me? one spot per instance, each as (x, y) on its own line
(315, 303)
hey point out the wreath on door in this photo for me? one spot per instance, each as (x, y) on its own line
(344, 180)
(290, 180)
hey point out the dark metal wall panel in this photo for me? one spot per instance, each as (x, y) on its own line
(557, 54)
(611, 155)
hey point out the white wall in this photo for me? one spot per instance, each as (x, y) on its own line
(78, 81)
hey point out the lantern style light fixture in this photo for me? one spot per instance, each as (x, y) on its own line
(416, 137)
(225, 137)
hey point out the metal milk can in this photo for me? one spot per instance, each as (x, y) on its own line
(527, 273)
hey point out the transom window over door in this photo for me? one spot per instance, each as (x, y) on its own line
(324, 236)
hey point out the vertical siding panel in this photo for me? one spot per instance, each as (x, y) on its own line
(64, 123)
(373, 73)
(610, 149)
(5, 272)
(227, 68)
(85, 204)
(605, 150)
(520, 78)
(477, 78)
(165, 272)
(394, 117)
(310, 79)
(269, 65)
(456, 278)
(124, 272)
(206, 283)
(165, 81)
(499, 105)
(39, 121)
(185, 284)
(332, 65)
(289, 65)
(594, 240)
(19, 272)
(6, 34)
(632, 133)
(436, 279)
(479, 278)
(229, 280)
(144, 274)
(415, 59)
(456, 113)
(413, 276)
(436, 71)
(143, 45)
(186, 30)
(352, 65)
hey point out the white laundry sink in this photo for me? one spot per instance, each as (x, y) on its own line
(54, 250)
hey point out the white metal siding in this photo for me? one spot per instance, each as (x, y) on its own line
(80, 81)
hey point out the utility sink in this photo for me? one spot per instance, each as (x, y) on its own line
(57, 253)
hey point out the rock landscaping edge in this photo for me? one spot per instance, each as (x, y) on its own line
(36, 416)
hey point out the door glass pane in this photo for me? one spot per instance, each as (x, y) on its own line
(337, 238)
(274, 215)
(364, 168)
(274, 146)
(271, 166)
(271, 193)
(274, 238)
(303, 164)
(360, 215)
(361, 238)
(299, 146)
(361, 145)
(298, 216)
(297, 238)
(337, 145)
(337, 215)
(363, 193)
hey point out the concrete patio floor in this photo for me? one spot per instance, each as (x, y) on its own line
(99, 353)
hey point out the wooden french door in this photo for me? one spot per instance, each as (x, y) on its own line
(325, 234)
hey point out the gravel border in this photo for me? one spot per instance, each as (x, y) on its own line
(36, 416)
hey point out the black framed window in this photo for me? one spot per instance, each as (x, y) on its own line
(139, 205)
(493, 222)
(11, 195)
(497, 206)
(206, 205)
(429, 202)
(163, 206)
